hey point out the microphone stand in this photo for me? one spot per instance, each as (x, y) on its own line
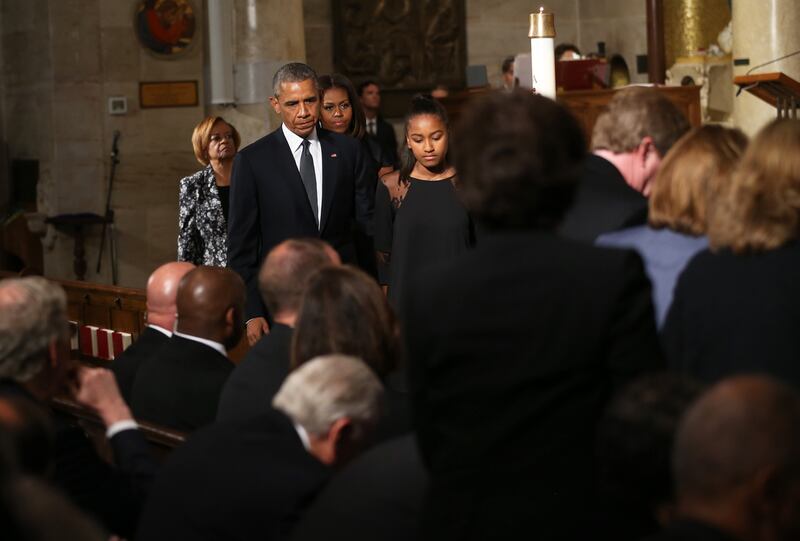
(108, 222)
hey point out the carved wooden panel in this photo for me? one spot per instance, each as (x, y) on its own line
(406, 45)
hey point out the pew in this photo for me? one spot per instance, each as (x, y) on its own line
(162, 440)
(117, 308)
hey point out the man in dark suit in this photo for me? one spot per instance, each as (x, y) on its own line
(378, 496)
(298, 181)
(628, 142)
(251, 479)
(179, 386)
(162, 287)
(370, 94)
(35, 366)
(282, 281)
(736, 464)
(515, 346)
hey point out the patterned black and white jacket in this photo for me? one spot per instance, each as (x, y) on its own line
(202, 231)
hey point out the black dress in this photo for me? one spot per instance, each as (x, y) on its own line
(416, 224)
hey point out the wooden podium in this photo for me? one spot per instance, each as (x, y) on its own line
(777, 89)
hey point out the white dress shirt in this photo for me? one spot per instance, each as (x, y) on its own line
(315, 148)
(372, 126)
(162, 330)
(210, 343)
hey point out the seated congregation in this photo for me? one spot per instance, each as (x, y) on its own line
(614, 358)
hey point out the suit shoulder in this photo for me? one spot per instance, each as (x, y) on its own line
(265, 143)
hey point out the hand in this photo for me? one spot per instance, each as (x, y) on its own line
(97, 389)
(256, 328)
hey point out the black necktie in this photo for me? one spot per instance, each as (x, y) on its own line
(309, 177)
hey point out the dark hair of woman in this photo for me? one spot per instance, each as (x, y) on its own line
(519, 158)
(421, 104)
(358, 124)
(344, 311)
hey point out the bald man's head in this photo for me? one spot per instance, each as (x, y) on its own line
(162, 288)
(210, 303)
(742, 438)
(286, 270)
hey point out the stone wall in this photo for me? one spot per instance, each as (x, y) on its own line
(499, 28)
(57, 86)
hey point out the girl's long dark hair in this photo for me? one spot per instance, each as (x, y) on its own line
(358, 124)
(421, 104)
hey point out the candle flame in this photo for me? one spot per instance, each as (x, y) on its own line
(541, 9)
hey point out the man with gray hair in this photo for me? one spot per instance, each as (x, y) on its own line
(252, 479)
(298, 181)
(736, 464)
(34, 366)
(629, 140)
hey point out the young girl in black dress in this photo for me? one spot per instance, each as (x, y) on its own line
(418, 217)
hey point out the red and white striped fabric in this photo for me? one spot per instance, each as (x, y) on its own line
(103, 343)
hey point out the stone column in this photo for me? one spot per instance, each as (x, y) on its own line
(267, 34)
(762, 31)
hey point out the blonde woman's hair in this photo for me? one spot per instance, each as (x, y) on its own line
(760, 208)
(696, 167)
(201, 136)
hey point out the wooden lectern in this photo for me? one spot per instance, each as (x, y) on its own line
(777, 89)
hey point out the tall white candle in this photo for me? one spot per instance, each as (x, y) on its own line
(543, 63)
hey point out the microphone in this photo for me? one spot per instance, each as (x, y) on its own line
(751, 70)
(114, 146)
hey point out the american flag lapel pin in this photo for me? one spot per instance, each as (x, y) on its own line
(333, 155)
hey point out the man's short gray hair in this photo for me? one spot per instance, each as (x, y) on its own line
(328, 388)
(33, 313)
(294, 72)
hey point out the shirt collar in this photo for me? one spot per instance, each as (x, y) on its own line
(295, 140)
(162, 330)
(303, 433)
(210, 343)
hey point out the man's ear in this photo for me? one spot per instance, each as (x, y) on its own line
(52, 353)
(646, 147)
(230, 317)
(276, 105)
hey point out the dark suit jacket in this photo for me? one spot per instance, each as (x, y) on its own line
(179, 386)
(735, 314)
(603, 202)
(235, 481)
(378, 496)
(691, 530)
(126, 365)
(387, 140)
(269, 203)
(253, 384)
(514, 349)
(112, 495)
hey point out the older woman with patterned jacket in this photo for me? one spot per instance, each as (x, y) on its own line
(204, 196)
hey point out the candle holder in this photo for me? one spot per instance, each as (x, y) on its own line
(543, 65)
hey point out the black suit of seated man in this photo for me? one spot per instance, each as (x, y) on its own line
(179, 386)
(162, 288)
(282, 281)
(629, 141)
(378, 496)
(298, 181)
(252, 478)
(34, 367)
(515, 347)
(736, 464)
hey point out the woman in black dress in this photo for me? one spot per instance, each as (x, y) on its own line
(341, 112)
(736, 308)
(419, 219)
